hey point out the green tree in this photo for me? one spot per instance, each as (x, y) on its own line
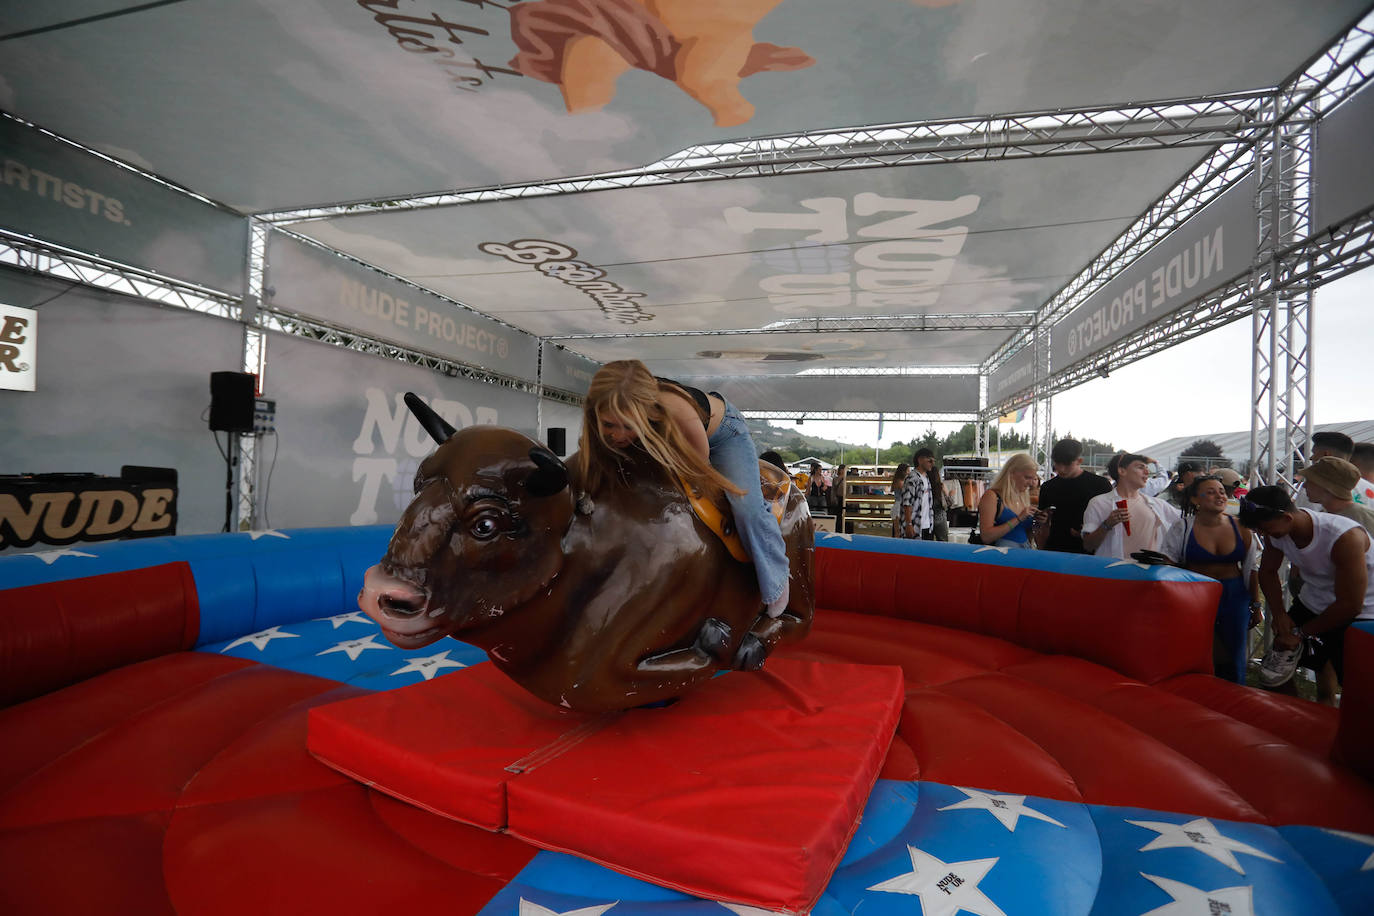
(961, 441)
(1204, 448)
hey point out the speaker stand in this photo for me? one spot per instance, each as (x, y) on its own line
(231, 463)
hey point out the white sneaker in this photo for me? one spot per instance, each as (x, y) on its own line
(1278, 666)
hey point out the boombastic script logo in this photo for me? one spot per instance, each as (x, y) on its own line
(560, 262)
(444, 39)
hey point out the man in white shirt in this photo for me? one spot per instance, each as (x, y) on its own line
(1336, 558)
(1125, 519)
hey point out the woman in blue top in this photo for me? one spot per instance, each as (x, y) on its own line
(1213, 544)
(1005, 513)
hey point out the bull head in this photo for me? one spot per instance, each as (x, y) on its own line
(482, 536)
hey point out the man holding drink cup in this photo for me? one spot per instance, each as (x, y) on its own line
(1124, 520)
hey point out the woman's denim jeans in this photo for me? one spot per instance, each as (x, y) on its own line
(733, 454)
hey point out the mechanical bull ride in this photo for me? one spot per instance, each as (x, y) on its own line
(589, 601)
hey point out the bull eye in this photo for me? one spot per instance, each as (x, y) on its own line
(419, 481)
(485, 527)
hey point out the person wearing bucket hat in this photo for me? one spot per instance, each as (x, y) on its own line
(1329, 482)
(1230, 479)
(1336, 558)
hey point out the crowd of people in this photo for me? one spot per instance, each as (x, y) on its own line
(1203, 520)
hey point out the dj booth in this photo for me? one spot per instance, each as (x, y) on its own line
(61, 509)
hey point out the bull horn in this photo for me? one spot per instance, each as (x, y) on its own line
(437, 427)
(550, 474)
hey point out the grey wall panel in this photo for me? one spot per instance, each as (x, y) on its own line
(120, 381)
(346, 448)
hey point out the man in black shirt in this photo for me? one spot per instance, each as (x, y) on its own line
(1067, 494)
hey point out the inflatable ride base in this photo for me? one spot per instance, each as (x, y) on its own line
(746, 790)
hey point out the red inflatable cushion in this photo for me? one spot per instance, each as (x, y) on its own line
(746, 790)
(1355, 740)
(58, 633)
(1035, 609)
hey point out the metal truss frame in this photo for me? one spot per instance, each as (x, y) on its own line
(873, 416)
(1311, 263)
(35, 256)
(1289, 265)
(977, 321)
(854, 372)
(1281, 383)
(1202, 121)
(296, 325)
(254, 360)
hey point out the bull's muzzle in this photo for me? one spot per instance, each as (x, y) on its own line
(397, 605)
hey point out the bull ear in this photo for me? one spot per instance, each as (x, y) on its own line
(437, 427)
(550, 475)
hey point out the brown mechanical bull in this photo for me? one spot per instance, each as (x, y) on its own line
(592, 604)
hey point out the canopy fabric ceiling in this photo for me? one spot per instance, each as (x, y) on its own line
(267, 106)
(982, 237)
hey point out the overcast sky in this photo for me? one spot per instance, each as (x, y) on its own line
(1198, 388)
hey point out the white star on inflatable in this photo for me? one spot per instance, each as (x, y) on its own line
(260, 639)
(740, 909)
(428, 666)
(1136, 563)
(837, 535)
(1200, 834)
(1006, 808)
(52, 556)
(986, 547)
(529, 908)
(1358, 838)
(268, 533)
(354, 647)
(1189, 900)
(944, 888)
(339, 620)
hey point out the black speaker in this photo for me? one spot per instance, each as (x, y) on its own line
(558, 440)
(232, 397)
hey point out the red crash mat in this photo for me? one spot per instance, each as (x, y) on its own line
(746, 790)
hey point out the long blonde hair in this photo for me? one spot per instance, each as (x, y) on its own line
(628, 390)
(1015, 499)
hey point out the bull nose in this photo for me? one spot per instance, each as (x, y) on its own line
(399, 604)
(386, 595)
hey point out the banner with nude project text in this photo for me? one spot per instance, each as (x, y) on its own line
(59, 193)
(1012, 377)
(1212, 248)
(567, 370)
(314, 283)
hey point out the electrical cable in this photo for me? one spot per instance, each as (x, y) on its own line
(267, 486)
